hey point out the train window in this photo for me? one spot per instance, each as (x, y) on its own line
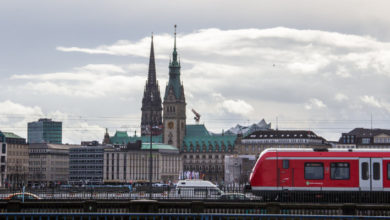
(339, 171)
(314, 171)
(388, 171)
(376, 169)
(286, 164)
(365, 171)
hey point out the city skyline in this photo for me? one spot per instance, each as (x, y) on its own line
(328, 75)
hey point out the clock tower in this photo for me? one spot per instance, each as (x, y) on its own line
(174, 105)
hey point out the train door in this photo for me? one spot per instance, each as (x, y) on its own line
(285, 176)
(376, 170)
(370, 175)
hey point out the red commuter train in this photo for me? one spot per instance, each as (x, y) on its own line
(344, 175)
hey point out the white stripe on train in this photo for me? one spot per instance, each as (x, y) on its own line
(272, 188)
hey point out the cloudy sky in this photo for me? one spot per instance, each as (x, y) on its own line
(319, 65)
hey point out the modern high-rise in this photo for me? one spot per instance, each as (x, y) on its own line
(44, 131)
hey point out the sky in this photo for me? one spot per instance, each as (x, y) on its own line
(299, 64)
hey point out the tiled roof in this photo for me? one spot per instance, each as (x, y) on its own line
(207, 143)
(365, 132)
(197, 136)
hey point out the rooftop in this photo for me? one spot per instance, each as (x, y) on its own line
(282, 134)
(121, 137)
(157, 146)
(365, 132)
(11, 135)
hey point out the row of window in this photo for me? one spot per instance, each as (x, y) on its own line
(87, 150)
(281, 141)
(89, 173)
(86, 167)
(382, 140)
(338, 171)
(86, 161)
(85, 155)
(203, 156)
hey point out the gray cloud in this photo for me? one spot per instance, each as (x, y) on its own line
(309, 79)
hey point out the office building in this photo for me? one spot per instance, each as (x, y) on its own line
(44, 131)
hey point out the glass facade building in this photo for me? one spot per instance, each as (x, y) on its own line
(44, 131)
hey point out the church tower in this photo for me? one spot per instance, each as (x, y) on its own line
(174, 111)
(151, 102)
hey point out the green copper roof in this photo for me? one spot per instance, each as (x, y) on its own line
(196, 130)
(121, 134)
(121, 137)
(11, 135)
(174, 75)
(207, 143)
(197, 135)
(158, 146)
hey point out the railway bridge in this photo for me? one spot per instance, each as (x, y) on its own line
(193, 207)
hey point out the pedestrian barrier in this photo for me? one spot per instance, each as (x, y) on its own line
(172, 216)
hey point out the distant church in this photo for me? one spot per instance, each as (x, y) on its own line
(151, 102)
(174, 106)
(167, 121)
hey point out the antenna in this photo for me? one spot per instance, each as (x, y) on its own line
(277, 125)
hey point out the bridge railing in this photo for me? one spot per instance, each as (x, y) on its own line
(190, 207)
(200, 216)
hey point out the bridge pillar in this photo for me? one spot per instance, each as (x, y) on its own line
(90, 206)
(14, 206)
(197, 207)
(143, 206)
(273, 208)
(349, 209)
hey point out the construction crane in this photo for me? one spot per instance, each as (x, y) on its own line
(197, 116)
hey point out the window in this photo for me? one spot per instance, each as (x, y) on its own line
(388, 171)
(286, 164)
(3, 149)
(365, 171)
(339, 171)
(314, 171)
(365, 140)
(376, 169)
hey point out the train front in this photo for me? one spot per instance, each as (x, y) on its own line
(263, 174)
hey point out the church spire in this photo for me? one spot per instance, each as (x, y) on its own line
(106, 139)
(152, 65)
(151, 102)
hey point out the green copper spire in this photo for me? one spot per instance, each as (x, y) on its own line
(174, 54)
(174, 73)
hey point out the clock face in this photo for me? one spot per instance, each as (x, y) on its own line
(170, 125)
